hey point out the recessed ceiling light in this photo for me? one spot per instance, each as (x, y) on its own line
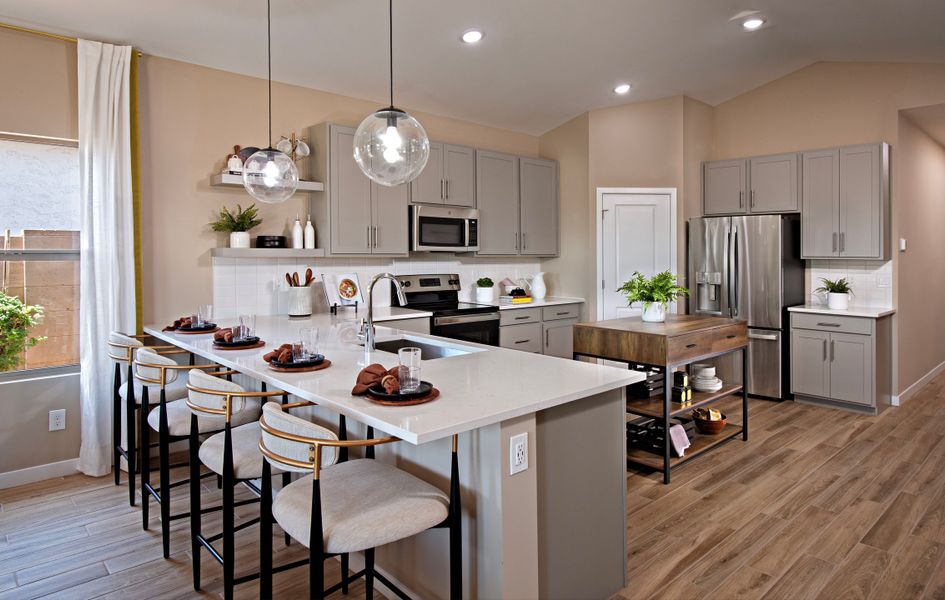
(472, 36)
(623, 88)
(753, 23)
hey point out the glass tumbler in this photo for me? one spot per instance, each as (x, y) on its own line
(204, 314)
(409, 371)
(247, 326)
(308, 337)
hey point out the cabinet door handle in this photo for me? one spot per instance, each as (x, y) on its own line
(375, 237)
(833, 243)
(741, 199)
(753, 198)
(441, 190)
(547, 331)
(522, 341)
(842, 242)
(828, 324)
(524, 240)
(516, 241)
(831, 351)
(691, 345)
(522, 318)
(824, 343)
(368, 232)
(447, 189)
(561, 314)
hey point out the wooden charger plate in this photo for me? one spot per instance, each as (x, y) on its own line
(322, 365)
(259, 344)
(433, 395)
(200, 332)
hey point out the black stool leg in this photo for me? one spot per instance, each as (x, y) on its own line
(116, 424)
(145, 456)
(316, 546)
(229, 552)
(195, 525)
(286, 480)
(265, 534)
(369, 573)
(130, 405)
(165, 469)
(344, 573)
(456, 527)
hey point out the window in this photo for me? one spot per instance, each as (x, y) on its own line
(40, 216)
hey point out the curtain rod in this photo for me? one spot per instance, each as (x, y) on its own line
(55, 36)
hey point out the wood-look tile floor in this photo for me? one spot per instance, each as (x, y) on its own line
(818, 504)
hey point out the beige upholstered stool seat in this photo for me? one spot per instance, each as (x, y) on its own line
(174, 391)
(365, 504)
(247, 459)
(178, 418)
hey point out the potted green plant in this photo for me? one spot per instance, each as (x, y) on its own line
(16, 320)
(485, 290)
(237, 224)
(838, 292)
(655, 293)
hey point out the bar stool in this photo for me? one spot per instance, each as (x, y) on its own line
(121, 349)
(346, 507)
(233, 454)
(171, 419)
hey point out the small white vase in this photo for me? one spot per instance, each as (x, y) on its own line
(838, 301)
(654, 313)
(485, 294)
(538, 287)
(300, 301)
(239, 239)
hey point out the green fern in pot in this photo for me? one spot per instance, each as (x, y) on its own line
(237, 223)
(655, 293)
(838, 292)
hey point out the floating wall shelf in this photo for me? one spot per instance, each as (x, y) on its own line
(267, 252)
(227, 180)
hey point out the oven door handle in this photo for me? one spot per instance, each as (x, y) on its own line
(437, 321)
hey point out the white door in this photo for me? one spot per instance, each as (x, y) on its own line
(637, 233)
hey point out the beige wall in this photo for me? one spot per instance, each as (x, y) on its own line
(191, 117)
(921, 197)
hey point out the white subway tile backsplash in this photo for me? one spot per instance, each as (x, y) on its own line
(255, 285)
(870, 280)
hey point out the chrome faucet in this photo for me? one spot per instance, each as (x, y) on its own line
(368, 327)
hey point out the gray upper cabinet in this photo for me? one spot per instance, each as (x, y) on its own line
(845, 205)
(773, 184)
(449, 177)
(820, 214)
(358, 215)
(538, 184)
(429, 187)
(497, 192)
(724, 185)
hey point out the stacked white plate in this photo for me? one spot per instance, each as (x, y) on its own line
(704, 379)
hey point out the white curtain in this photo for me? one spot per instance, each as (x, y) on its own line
(107, 266)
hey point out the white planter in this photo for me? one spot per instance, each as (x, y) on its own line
(838, 301)
(239, 239)
(485, 295)
(300, 301)
(654, 313)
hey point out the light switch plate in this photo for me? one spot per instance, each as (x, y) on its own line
(902, 244)
(518, 453)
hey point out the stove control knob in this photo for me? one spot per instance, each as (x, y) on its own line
(405, 284)
(454, 281)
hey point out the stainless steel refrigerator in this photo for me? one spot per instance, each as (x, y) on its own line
(750, 268)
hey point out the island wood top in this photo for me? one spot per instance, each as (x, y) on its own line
(678, 340)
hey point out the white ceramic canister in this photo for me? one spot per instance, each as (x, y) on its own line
(300, 301)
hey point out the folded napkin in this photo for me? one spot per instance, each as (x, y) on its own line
(178, 323)
(225, 335)
(677, 435)
(281, 354)
(372, 375)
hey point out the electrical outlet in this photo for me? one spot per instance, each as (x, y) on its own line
(883, 281)
(57, 419)
(518, 453)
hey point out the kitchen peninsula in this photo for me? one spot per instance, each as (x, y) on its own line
(555, 530)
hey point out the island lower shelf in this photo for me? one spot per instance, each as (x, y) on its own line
(700, 443)
(653, 407)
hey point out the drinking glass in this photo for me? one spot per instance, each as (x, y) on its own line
(409, 371)
(204, 314)
(308, 336)
(247, 326)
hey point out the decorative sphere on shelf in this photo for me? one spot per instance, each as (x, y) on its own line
(391, 147)
(270, 176)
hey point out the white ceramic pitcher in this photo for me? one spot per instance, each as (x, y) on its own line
(536, 284)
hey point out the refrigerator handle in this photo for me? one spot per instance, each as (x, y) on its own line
(733, 271)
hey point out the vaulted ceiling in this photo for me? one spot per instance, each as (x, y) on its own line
(540, 63)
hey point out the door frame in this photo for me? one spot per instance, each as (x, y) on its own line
(599, 215)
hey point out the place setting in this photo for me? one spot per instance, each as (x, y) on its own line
(398, 386)
(299, 356)
(200, 322)
(240, 337)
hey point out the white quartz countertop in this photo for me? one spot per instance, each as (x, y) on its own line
(870, 312)
(546, 301)
(481, 388)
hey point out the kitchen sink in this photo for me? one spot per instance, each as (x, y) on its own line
(428, 351)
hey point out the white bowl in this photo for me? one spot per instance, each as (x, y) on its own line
(703, 370)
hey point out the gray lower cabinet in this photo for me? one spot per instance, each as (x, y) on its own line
(559, 338)
(354, 214)
(724, 185)
(543, 330)
(773, 184)
(845, 202)
(844, 360)
(526, 337)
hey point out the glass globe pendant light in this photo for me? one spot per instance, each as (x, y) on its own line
(269, 175)
(390, 146)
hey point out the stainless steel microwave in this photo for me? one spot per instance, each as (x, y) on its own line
(443, 229)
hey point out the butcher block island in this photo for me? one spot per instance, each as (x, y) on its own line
(554, 530)
(660, 349)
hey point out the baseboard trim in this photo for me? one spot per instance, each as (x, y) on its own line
(918, 385)
(38, 473)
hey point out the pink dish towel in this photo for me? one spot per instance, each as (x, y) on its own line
(677, 434)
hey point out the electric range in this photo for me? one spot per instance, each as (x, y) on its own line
(439, 294)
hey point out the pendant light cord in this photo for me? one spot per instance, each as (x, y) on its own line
(269, 60)
(390, 23)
